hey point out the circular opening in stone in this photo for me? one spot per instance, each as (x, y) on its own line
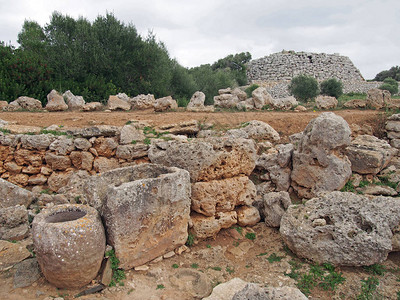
(65, 216)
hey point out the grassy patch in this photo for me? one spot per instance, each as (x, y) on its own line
(273, 258)
(230, 270)
(376, 269)
(160, 287)
(348, 187)
(194, 266)
(251, 236)
(118, 274)
(5, 131)
(190, 240)
(368, 288)
(175, 266)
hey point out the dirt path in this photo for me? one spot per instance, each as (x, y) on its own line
(286, 123)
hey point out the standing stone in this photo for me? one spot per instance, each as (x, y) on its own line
(326, 102)
(319, 162)
(377, 98)
(116, 103)
(274, 207)
(261, 97)
(197, 100)
(142, 101)
(166, 103)
(148, 216)
(55, 102)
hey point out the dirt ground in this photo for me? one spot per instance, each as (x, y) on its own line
(286, 123)
(230, 254)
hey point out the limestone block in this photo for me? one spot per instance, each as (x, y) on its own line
(261, 97)
(55, 102)
(116, 103)
(222, 195)
(105, 146)
(38, 179)
(14, 223)
(62, 145)
(29, 103)
(29, 157)
(57, 162)
(204, 227)
(274, 206)
(147, 216)
(197, 100)
(82, 160)
(58, 180)
(377, 98)
(73, 102)
(103, 164)
(12, 195)
(190, 127)
(247, 215)
(92, 106)
(256, 130)
(131, 152)
(37, 142)
(82, 144)
(130, 133)
(19, 179)
(165, 103)
(326, 102)
(142, 101)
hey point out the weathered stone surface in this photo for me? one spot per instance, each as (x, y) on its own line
(116, 103)
(226, 100)
(12, 167)
(300, 108)
(82, 160)
(82, 144)
(222, 195)
(69, 242)
(204, 227)
(131, 152)
(12, 195)
(3, 104)
(193, 282)
(38, 179)
(142, 101)
(377, 98)
(22, 129)
(274, 206)
(62, 145)
(37, 142)
(130, 133)
(165, 103)
(73, 102)
(58, 179)
(378, 190)
(213, 158)
(103, 164)
(92, 106)
(28, 103)
(197, 100)
(358, 229)
(12, 253)
(19, 179)
(226, 290)
(319, 162)
(369, 155)
(12, 106)
(326, 102)
(355, 103)
(57, 162)
(27, 272)
(74, 189)
(207, 108)
(257, 292)
(99, 131)
(256, 130)
(148, 214)
(261, 97)
(55, 102)
(29, 157)
(190, 127)
(284, 103)
(105, 146)
(247, 215)
(14, 223)
(248, 104)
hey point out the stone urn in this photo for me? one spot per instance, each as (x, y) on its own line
(69, 241)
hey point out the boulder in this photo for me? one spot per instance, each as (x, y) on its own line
(248, 104)
(28, 103)
(14, 223)
(209, 159)
(205, 227)
(197, 100)
(256, 130)
(300, 108)
(57, 162)
(58, 180)
(73, 102)
(62, 145)
(12, 106)
(285, 103)
(104, 164)
(342, 228)
(12, 195)
(105, 146)
(129, 134)
(166, 103)
(3, 105)
(355, 103)
(92, 106)
(247, 215)
(191, 127)
(12, 253)
(274, 207)
(142, 102)
(369, 155)
(131, 152)
(148, 215)
(319, 162)
(26, 273)
(222, 195)
(82, 144)
(226, 101)
(82, 160)
(261, 97)
(118, 102)
(55, 102)
(37, 142)
(377, 98)
(326, 102)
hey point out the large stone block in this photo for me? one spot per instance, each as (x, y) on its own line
(222, 195)
(205, 227)
(12, 195)
(14, 223)
(148, 215)
(209, 159)
(342, 228)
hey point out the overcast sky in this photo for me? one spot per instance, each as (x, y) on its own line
(199, 32)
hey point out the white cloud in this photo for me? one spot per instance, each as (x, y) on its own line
(198, 32)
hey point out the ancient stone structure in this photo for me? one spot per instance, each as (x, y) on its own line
(287, 64)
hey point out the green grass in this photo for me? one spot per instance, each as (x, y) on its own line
(217, 268)
(386, 182)
(376, 269)
(348, 187)
(134, 142)
(368, 288)
(194, 266)
(230, 270)
(273, 258)
(175, 266)
(190, 240)
(251, 236)
(160, 287)
(5, 131)
(238, 229)
(118, 274)
(147, 141)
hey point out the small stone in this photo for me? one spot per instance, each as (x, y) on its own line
(181, 249)
(157, 260)
(106, 275)
(318, 222)
(169, 254)
(27, 272)
(142, 268)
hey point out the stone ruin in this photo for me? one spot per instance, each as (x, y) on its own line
(178, 186)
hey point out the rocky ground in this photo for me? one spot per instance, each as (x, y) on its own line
(255, 254)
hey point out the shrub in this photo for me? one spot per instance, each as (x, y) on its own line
(304, 87)
(391, 85)
(332, 87)
(250, 89)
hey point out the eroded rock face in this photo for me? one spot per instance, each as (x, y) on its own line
(222, 195)
(204, 227)
(319, 161)
(12, 195)
(342, 228)
(197, 100)
(14, 223)
(256, 130)
(142, 101)
(369, 155)
(118, 102)
(261, 97)
(274, 207)
(377, 98)
(55, 102)
(147, 215)
(209, 159)
(28, 103)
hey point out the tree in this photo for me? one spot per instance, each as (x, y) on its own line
(393, 72)
(304, 87)
(390, 85)
(332, 87)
